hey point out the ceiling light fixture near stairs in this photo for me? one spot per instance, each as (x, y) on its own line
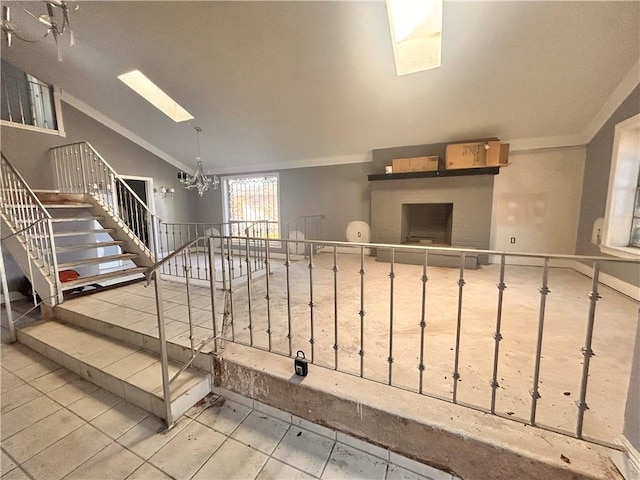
(198, 180)
(56, 26)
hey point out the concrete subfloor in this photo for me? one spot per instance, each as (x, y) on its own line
(564, 331)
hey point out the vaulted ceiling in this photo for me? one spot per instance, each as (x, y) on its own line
(290, 83)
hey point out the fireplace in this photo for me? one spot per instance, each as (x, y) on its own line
(427, 224)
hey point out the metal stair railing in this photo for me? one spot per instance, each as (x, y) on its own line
(308, 226)
(29, 222)
(81, 169)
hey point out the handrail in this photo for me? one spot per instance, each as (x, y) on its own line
(22, 230)
(171, 256)
(26, 187)
(258, 222)
(115, 174)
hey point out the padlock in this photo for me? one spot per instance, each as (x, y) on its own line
(301, 364)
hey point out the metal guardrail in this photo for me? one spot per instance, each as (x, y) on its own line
(27, 101)
(81, 169)
(252, 304)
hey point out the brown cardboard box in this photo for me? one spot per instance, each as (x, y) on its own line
(477, 155)
(415, 164)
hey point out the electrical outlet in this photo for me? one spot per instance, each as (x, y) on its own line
(513, 239)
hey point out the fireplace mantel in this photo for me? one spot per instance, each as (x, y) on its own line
(436, 173)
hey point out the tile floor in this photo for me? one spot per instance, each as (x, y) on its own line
(55, 425)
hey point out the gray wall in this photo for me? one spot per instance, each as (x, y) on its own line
(596, 184)
(340, 192)
(29, 152)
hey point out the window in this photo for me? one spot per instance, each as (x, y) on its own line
(27, 102)
(251, 201)
(621, 233)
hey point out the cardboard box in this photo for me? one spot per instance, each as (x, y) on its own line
(477, 155)
(415, 164)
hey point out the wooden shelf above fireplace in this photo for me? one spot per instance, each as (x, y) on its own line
(437, 173)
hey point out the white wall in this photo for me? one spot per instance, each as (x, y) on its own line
(536, 199)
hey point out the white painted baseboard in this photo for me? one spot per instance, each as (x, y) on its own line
(628, 462)
(610, 281)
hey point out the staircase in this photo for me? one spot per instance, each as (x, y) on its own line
(87, 235)
(89, 244)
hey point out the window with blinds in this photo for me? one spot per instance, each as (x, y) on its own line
(251, 202)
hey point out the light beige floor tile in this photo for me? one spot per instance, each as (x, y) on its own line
(66, 454)
(172, 329)
(224, 415)
(37, 370)
(398, 473)
(419, 468)
(145, 323)
(110, 355)
(272, 411)
(73, 391)
(53, 380)
(188, 451)
(35, 438)
(16, 474)
(6, 464)
(305, 450)
(21, 417)
(277, 470)
(18, 396)
(314, 427)
(233, 461)
(261, 432)
(346, 463)
(149, 436)
(148, 472)
(131, 364)
(94, 404)
(364, 446)
(112, 463)
(119, 419)
(16, 356)
(8, 381)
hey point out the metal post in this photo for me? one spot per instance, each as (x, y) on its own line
(544, 291)
(212, 287)
(267, 262)
(54, 257)
(187, 274)
(587, 352)
(392, 276)
(230, 260)
(497, 336)
(335, 305)
(423, 322)
(311, 304)
(456, 361)
(248, 260)
(164, 358)
(287, 264)
(361, 313)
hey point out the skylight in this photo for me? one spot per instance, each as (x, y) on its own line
(139, 83)
(416, 33)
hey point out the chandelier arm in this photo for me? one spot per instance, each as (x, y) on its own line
(20, 37)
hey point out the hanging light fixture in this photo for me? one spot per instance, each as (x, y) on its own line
(55, 24)
(198, 180)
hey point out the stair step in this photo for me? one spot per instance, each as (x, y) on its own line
(84, 232)
(121, 368)
(84, 281)
(86, 246)
(87, 261)
(76, 219)
(67, 205)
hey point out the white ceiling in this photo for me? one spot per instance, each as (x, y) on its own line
(275, 83)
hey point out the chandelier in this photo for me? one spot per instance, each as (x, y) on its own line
(198, 180)
(56, 24)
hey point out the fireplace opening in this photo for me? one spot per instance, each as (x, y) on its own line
(427, 224)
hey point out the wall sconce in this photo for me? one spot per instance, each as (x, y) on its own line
(165, 192)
